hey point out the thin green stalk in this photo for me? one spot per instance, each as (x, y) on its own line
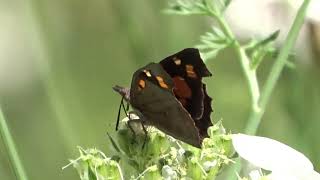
(13, 154)
(250, 73)
(255, 117)
(251, 77)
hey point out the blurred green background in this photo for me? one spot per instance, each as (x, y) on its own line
(59, 60)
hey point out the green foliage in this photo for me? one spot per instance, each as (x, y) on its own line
(220, 37)
(93, 164)
(161, 157)
(213, 42)
(257, 50)
(198, 7)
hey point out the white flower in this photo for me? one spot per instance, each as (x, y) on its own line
(168, 173)
(209, 164)
(283, 161)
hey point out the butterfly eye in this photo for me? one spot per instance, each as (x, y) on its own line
(177, 61)
(161, 82)
(147, 73)
(190, 71)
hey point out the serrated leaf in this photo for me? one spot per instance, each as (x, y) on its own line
(257, 58)
(221, 5)
(202, 47)
(197, 7)
(271, 38)
(213, 42)
(261, 48)
(218, 32)
(209, 55)
(187, 7)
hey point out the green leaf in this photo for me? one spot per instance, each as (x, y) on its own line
(255, 44)
(198, 7)
(213, 42)
(93, 164)
(259, 49)
(188, 7)
(222, 5)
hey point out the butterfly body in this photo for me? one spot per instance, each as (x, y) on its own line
(170, 95)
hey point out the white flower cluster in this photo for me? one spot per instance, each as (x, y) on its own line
(283, 161)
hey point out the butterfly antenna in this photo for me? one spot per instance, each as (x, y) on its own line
(119, 111)
(125, 108)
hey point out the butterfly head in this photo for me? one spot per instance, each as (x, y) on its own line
(123, 91)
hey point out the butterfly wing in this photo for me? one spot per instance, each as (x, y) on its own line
(152, 94)
(187, 70)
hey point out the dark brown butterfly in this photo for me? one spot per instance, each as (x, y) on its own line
(170, 95)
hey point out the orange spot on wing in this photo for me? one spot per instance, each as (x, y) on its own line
(190, 71)
(161, 82)
(142, 84)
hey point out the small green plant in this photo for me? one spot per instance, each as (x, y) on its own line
(166, 158)
(161, 157)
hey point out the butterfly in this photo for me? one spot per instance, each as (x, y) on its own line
(171, 96)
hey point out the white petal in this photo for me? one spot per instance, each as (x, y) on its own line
(255, 175)
(270, 154)
(282, 176)
(311, 175)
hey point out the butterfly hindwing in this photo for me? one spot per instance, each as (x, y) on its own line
(155, 99)
(187, 70)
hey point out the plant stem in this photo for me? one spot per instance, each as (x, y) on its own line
(255, 117)
(251, 77)
(13, 154)
(249, 72)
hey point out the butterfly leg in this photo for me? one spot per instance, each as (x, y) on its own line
(145, 134)
(119, 111)
(128, 106)
(141, 121)
(130, 121)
